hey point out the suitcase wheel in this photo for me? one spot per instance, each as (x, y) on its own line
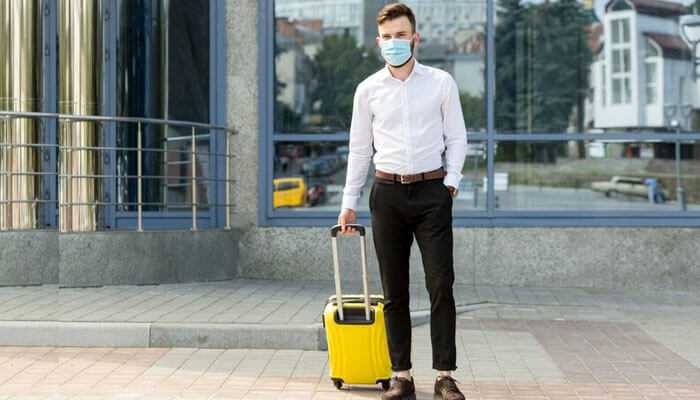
(338, 383)
(386, 384)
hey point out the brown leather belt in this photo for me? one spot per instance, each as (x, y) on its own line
(406, 179)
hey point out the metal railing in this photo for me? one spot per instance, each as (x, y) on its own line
(67, 181)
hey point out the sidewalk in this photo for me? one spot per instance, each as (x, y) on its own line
(270, 314)
(523, 343)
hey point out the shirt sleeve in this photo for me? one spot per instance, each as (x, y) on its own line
(454, 133)
(360, 149)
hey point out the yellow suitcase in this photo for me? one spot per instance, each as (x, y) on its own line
(358, 352)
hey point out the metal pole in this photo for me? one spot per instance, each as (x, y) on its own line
(139, 172)
(365, 279)
(4, 185)
(336, 274)
(70, 227)
(228, 180)
(680, 193)
(194, 185)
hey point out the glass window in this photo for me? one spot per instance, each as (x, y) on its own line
(616, 66)
(621, 61)
(651, 50)
(621, 5)
(650, 72)
(603, 86)
(617, 91)
(163, 72)
(689, 179)
(588, 175)
(550, 65)
(620, 31)
(542, 63)
(319, 60)
(615, 27)
(311, 176)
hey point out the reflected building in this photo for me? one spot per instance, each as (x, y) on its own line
(296, 42)
(351, 17)
(642, 64)
(452, 33)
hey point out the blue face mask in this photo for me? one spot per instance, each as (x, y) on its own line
(396, 52)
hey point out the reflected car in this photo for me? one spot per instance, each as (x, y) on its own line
(631, 187)
(321, 166)
(289, 192)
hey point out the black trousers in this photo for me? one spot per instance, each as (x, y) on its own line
(400, 212)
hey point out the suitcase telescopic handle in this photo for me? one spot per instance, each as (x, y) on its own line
(336, 268)
(336, 228)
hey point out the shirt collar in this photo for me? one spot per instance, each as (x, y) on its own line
(418, 69)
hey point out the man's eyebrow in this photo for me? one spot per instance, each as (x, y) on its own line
(398, 33)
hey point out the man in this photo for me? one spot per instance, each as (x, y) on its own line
(411, 114)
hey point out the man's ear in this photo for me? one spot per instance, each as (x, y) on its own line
(377, 40)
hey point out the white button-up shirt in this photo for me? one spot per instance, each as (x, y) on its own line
(409, 123)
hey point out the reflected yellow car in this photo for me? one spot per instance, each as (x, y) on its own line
(289, 192)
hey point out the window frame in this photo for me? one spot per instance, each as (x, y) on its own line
(620, 49)
(213, 217)
(490, 217)
(127, 220)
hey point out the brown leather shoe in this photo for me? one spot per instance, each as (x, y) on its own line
(400, 389)
(446, 389)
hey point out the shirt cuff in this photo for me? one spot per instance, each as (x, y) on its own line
(452, 179)
(350, 202)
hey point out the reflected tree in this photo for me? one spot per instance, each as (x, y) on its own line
(542, 63)
(339, 66)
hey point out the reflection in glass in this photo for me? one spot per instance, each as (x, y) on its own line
(543, 53)
(163, 73)
(566, 66)
(20, 90)
(140, 94)
(79, 75)
(690, 173)
(311, 175)
(324, 48)
(592, 175)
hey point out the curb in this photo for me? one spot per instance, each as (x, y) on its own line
(157, 334)
(165, 334)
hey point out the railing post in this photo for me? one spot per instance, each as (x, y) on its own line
(194, 183)
(228, 179)
(70, 224)
(3, 182)
(139, 167)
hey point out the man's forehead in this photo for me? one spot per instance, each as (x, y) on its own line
(401, 24)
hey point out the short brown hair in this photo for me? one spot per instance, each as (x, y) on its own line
(396, 10)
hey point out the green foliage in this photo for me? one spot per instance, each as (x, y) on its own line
(542, 62)
(474, 110)
(339, 66)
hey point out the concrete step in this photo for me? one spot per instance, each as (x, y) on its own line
(180, 334)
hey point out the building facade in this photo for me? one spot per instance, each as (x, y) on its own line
(171, 140)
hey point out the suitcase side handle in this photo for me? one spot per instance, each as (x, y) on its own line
(336, 269)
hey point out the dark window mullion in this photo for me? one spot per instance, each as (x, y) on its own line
(49, 158)
(109, 108)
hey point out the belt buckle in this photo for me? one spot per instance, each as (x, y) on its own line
(405, 179)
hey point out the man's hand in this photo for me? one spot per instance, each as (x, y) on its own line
(347, 216)
(452, 190)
